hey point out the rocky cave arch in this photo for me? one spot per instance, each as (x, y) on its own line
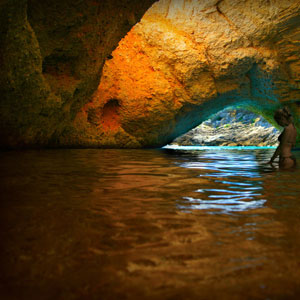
(231, 126)
(184, 61)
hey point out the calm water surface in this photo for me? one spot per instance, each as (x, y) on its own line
(148, 224)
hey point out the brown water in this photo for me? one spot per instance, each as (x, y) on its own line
(148, 224)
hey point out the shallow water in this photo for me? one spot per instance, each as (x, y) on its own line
(148, 224)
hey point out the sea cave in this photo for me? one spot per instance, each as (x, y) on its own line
(140, 152)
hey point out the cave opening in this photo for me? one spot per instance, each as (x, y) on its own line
(231, 126)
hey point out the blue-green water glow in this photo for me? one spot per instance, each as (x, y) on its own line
(175, 147)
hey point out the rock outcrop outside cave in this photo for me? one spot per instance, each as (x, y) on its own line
(231, 127)
(187, 60)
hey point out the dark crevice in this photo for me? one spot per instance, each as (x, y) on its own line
(59, 63)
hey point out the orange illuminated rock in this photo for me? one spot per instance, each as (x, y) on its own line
(186, 60)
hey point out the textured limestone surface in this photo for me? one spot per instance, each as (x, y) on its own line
(185, 61)
(231, 127)
(51, 57)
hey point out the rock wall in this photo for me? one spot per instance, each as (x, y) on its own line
(185, 61)
(51, 58)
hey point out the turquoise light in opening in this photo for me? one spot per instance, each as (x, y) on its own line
(177, 147)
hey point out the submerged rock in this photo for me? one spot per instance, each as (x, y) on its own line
(231, 128)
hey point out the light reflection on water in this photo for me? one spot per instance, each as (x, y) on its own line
(213, 223)
(237, 195)
(223, 205)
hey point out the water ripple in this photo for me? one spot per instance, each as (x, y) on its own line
(237, 176)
